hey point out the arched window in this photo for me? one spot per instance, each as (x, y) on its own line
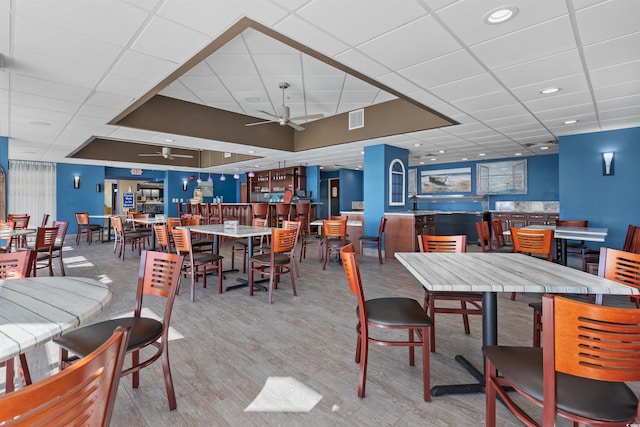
(396, 183)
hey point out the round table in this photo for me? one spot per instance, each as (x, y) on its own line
(35, 310)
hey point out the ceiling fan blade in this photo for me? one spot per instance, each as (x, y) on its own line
(268, 113)
(150, 154)
(261, 123)
(295, 125)
(185, 156)
(309, 117)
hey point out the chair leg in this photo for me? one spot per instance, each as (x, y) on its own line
(26, 374)
(412, 351)
(168, 380)
(293, 283)
(62, 264)
(513, 296)
(432, 309)
(364, 350)
(380, 252)
(135, 375)
(465, 318)
(426, 368)
(490, 393)
(250, 279)
(271, 284)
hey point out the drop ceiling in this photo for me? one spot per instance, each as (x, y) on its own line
(72, 68)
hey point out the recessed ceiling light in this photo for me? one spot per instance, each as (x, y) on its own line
(503, 14)
(362, 152)
(464, 158)
(39, 123)
(482, 154)
(433, 159)
(549, 90)
(518, 154)
(321, 167)
(168, 140)
(417, 144)
(251, 151)
(544, 147)
(422, 163)
(441, 151)
(570, 122)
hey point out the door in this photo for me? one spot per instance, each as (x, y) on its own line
(334, 196)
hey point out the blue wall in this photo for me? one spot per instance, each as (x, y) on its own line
(313, 183)
(84, 199)
(606, 201)
(4, 163)
(542, 184)
(351, 187)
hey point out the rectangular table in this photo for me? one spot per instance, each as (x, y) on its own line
(239, 232)
(491, 273)
(590, 234)
(158, 219)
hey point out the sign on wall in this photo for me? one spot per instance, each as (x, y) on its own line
(128, 200)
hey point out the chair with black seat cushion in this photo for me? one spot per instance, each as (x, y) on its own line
(574, 247)
(455, 244)
(277, 262)
(87, 228)
(484, 237)
(59, 244)
(16, 265)
(5, 241)
(589, 352)
(196, 263)
(21, 223)
(158, 276)
(198, 241)
(283, 213)
(390, 313)
(241, 246)
(43, 247)
(374, 241)
(83, 394)
(163, 241)
(498, 232)
(135, 238)
(631, 244)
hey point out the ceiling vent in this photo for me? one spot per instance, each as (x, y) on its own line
(356, 119)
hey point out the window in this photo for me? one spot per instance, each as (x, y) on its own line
(396, 183)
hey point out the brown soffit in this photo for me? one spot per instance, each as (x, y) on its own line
(162, 114)
(128, 151)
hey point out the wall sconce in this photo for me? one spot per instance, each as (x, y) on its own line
(184, 184)
(607, 163)
(98, 188)
(76, 181)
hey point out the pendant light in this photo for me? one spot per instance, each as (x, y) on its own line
(209, 165)
(251, 173)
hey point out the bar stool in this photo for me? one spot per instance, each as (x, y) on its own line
(260, 210)
(283, 212)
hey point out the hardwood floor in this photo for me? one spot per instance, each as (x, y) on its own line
(226, 346)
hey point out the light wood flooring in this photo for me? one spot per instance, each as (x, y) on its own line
(226, 346)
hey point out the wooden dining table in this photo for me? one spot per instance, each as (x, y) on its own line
(491, 273)
(35, 310)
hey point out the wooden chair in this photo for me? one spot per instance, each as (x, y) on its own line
(631, 244)
(16, 265)
(278, 261)
(136, 239)
(241, 246)
(589, 352)
(532, 242)
(484, 237)
(374, 241)
(283, 213)
(158, 276)
(21, 223)
(334, 234)
(59, 244)
(163, 241)
(196, 263)
(85, 227)
(574, 247)
(456, 244)
(198, 242)
(386, 313)
(43, 247)
(260, 210)
(83, 394)
(6, 240)
(293, 225)
(45, 220)
(496, 225)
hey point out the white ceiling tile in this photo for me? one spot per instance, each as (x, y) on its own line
(122, 85)
(466, 17)
(387, 48)
(374, 17)
(623, 13)
(449, 68)
(617, 91)
(135, 64)
(164, 39)
(559, 100)
(616, 103)
(202, 83)
(239, 83)
(483, 102)
(5, 31)
(53, 104)
(297, 29)
(531, 43)
(504, 110)
(52, 42)
(49, 89)
(397, 82)
(273, 65)
(323, 83)
(481, 84)
(622, 73)
(109, 100)
(567, 85)
(232, 65)
(631, 112)
(542, 69)
(59, 71)
(613, 52)
(361, 63)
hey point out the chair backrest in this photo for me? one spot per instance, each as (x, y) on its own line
(116, 223)
(484, 237)
(162, 236)
(589, 341)
(303, 214)
(283, 209)
(572, 223)
(21, 220)
(339, 217)
(82, 218)
(332, 228)
(496, 224)
(45, 219)
(7, 226)
(82, 394)
(428, 243)
(284, 239)
(383, 225)
(260, 210)
(182, 241)
(620, 266)
(352, 271)
(16, 265)
(159, 275)
(173, 223)
(190, 222)
(533, 241)
(62, 231)
(632, 240)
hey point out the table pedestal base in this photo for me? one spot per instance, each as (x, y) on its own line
(243, 283)
(478, 387)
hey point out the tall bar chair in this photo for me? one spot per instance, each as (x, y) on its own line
(283, 213)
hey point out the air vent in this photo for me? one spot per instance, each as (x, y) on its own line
(356, 119)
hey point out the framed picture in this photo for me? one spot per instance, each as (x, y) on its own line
(446, 181)
(207, 188)
(508, 177)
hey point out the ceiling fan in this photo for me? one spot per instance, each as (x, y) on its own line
(282, 115)
(166, 153)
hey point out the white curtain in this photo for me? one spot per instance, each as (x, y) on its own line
(32, 190)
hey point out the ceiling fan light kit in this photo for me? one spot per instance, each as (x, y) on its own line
(283, 116)
(166, 153)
